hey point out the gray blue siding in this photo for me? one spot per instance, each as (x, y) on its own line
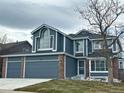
(60, 42)
(71, 67)
(69, 46)
(89, 46)
(85, 47)
(14, 59)
(42, 58)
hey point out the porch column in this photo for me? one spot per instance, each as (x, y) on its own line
(61, 66)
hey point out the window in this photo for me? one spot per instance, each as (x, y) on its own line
(46, 40)
(121, 65)
(81, 67)
(97, 44)
(98, 65)
(79, 46)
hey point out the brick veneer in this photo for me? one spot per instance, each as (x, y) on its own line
(87, 69)
(4, 68)
(61, 66)
(115, 68)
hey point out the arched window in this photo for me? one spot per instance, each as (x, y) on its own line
(46, 40)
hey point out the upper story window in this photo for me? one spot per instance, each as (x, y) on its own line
(46, 40)
(79, 46)
(97, 44)
(98, 65)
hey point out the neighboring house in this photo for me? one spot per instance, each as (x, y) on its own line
(14, 48)
(59, 56)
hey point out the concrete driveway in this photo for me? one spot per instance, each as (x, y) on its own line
(10, 91)
(11, 84)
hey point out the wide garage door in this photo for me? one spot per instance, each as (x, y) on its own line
(13, 69)
(41, 69)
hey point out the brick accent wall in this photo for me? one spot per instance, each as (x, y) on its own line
(115, 68)
(61, 66)
(4, 68)
(87, 69)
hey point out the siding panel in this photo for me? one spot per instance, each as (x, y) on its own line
(69, 46)
(71, 67)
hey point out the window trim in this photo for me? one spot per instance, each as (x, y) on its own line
(98, 44)
(82, 47)
(120, 65)
(47, 49)
(78, 68)
(95, 67)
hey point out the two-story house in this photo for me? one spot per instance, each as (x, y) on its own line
(57, 55)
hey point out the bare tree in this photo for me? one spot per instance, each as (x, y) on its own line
(102, 15)
(3, 39)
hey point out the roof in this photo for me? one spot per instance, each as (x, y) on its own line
(86, 33)
(15, 47)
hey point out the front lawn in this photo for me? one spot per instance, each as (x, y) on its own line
(74, 86)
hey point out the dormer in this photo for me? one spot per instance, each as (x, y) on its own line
(44, 39)
(47, 39)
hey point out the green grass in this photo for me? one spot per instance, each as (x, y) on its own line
(74, 86)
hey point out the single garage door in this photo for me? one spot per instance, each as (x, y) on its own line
(13, 69)
(42, 69)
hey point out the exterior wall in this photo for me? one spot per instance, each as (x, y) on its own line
(89, 46)
(115, 68)
(61, 67)
(69, 46)
(60, 42)
(71, 67)
(85, 47)
(87, 69)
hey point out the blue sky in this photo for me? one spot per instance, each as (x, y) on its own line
(19, 17)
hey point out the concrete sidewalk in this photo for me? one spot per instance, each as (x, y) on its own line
(11, 84)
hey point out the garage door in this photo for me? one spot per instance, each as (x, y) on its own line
(42, 69)
(13, 69)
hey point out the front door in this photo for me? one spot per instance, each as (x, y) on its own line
(81, 67)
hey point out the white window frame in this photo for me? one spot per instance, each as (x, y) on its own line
(116, 47)
(120, 65)
(99, 45)
(44, 49)
(83, 67)
(82, 47)
(95, 66)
